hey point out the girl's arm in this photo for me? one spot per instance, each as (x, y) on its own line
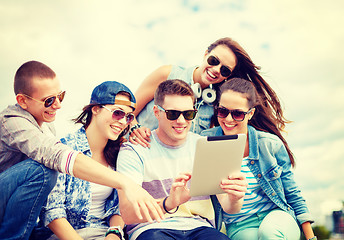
(307, 230)
(143, 95)
(63, 230)
(115, 220)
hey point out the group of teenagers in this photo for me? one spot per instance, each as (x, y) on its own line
(124, 174)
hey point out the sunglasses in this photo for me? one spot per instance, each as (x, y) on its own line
(214, 61)
(49, 100)
(237, 115)
(174, 114)
(118, 114)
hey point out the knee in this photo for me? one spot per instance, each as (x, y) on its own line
(37, 172)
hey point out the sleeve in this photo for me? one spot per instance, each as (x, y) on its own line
(291, 190)
(55, 207)
(22, 135)
(130, 163)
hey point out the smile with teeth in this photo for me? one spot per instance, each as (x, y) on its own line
(117, 129)
(211, 74)
(229, 125)
(179, 129)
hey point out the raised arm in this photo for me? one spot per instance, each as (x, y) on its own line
(143, 95)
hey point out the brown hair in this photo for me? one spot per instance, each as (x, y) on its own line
(27, 72)
(111, 149)
(246, 69)
(172, 87)
(261, 120)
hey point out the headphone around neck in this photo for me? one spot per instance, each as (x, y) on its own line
(208, 95)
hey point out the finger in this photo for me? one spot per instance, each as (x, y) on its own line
(137, 211)
(155, 211)
(145, 212)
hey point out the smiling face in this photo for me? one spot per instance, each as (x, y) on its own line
(173, 132)
(42, 89)
(234, 101)
(103, 123)
(211, 74)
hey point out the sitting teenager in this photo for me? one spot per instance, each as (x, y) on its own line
(78, 209)
(164, 171)
(273, 207)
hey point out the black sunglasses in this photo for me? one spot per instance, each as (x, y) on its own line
(214, 61)
(118, 114)
(237, 115)
(49, 100)
(174, 114)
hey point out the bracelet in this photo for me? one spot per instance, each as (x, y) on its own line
(117, 230)
(136, 126)
(164, 206)
(313, 238)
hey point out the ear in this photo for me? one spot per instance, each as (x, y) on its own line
(95, 110)
(250, 115)
(156, 111)
(21, 100)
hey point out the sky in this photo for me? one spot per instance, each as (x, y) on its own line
(298, 44)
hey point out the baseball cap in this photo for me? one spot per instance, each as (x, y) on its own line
(105, 93)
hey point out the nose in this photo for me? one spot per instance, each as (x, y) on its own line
(57, 104)
(217, 68)
(181, 119)
(229, 117)
(123, 120)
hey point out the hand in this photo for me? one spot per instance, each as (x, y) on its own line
(112, 237)
(179, 192)
(141, 136)
(235, 186)
(143, 203)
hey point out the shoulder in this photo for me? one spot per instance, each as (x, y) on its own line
(216, 131)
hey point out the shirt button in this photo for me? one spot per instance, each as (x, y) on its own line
(273, 194)
(288, 208)
(275, 174)
(252, 162)
(259, 175)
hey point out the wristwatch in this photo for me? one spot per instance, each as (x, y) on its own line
(117, 230)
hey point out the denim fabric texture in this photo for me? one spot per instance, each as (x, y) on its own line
(271, 166)
(71, 197)
(24, 188)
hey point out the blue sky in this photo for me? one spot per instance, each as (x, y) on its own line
(298, 44)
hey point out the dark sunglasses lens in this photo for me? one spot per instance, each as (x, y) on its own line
(172, 114)
(118, 115)
(130, 118)
(225, 71)
(222, 112)
(189, 115)
(238, 115)
(49, 101)
(213, 61)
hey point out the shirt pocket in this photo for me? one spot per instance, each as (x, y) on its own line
(273, 176)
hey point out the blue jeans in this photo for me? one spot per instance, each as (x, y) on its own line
(275, 224)
(24, 189)
(201, 233)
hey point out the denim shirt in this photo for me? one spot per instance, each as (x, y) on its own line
(71, 197)
(271, 166)
(202, 120)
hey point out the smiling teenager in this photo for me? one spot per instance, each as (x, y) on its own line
(273, 207)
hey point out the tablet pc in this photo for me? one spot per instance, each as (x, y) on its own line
(215, 159)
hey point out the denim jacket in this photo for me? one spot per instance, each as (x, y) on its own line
(271, 166)
(71, 197)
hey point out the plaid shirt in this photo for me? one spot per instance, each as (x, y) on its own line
(21, 138)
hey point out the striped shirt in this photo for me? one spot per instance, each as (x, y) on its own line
(255, 199)
(155, 169)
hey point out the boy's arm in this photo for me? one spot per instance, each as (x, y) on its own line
(63, 230)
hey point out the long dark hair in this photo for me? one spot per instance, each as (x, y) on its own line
(246, 69)
(261, 119)
(112, 147)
